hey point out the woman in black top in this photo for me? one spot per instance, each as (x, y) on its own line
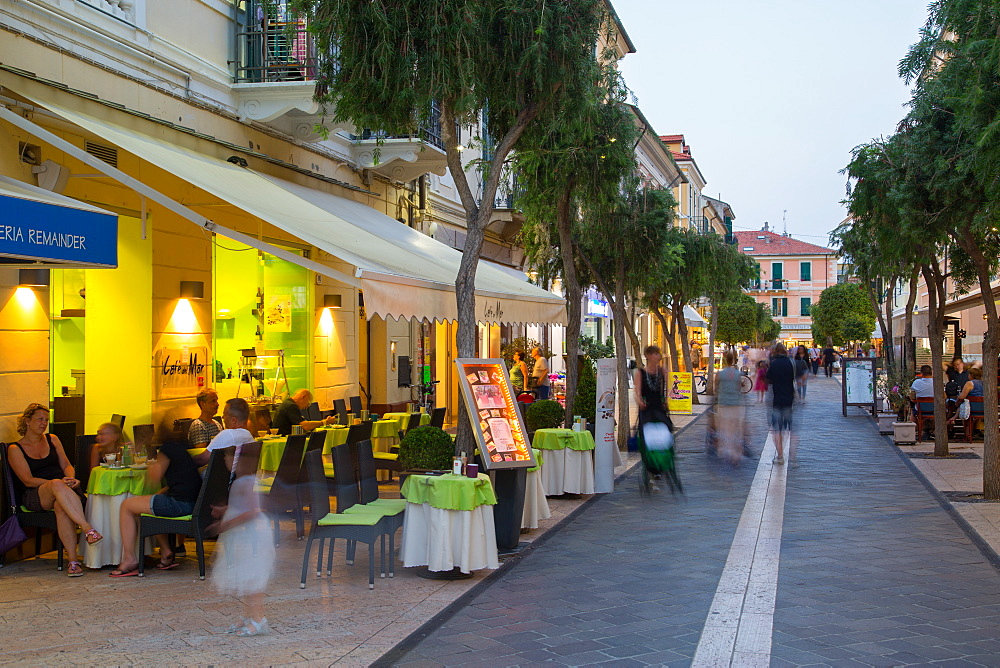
(179, 475)
(649, 389)
(45, 480)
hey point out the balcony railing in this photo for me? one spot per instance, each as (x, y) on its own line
(276, 51)
(769, 285)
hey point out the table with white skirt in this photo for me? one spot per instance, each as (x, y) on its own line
(568, 461)
(449, 523)
(107, 489)
(536, 506)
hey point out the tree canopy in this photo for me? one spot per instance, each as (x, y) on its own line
(840, 304)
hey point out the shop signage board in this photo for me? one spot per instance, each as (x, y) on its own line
(604, 426)
(679, 397)
(858, 386)
(34, 230)
(179, 372)
(493, 412)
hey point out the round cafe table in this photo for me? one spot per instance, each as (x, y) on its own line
(272, 447)
(106, 491)
(569, 461)
(448, 523)
(536, 507)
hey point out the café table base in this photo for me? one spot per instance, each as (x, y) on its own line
(454, 574)
(445, 539)
(536, 507)
(102, 513)
(568, 471)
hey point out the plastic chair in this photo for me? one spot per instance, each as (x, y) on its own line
(326, 525)
(437, 417)
(214, 489)
(45, 519)
(282, 496)
(369, 498)
(977, 411)
(923, 412)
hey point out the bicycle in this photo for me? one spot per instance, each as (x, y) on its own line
(746, 383)
(425, 394)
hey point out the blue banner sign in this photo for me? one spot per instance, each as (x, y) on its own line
(37, 230)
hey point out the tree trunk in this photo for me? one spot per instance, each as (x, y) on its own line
(991, 350)
(873, 299)
(658, 312)
(633, 337)
(932, 275)
(574, 297)
(713, 324)
(887, 330)
(671, 335)
(624, 420)
(906, 347)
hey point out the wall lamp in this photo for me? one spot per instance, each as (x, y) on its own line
(331, 301)
(192, 290)
(33, 278)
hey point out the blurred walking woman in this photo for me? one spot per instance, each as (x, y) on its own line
(729, 411)
(649, 384)
(45, 480)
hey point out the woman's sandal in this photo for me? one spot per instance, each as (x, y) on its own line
(122, 573)
(75, 570)
(93, 538)
(167, 565)
(254, 628)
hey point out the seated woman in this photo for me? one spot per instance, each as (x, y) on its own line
(109, 441)
(973, 387)
(45, 480)
(178, 472)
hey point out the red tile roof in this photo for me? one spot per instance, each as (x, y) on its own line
(775, 244)
(681, 156)
(672, 138)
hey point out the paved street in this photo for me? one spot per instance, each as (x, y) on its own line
(872, 570)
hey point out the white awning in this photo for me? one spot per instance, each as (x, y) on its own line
(692, 318)
(403, 273)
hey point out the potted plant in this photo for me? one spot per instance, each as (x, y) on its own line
(546, 414)
(426, 448)
(894, 385)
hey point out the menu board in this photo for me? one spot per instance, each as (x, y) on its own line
(493, 412)
(858, 382)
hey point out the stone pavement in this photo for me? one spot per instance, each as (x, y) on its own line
(174, 618)
(873, 569)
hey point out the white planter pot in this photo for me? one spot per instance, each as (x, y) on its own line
(904, 432)
(885, 421)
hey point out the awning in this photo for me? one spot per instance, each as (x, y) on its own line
(692, 318)
(403, 273)
(38, 226)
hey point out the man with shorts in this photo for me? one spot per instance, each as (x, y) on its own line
(540, 372)
(176, 471)
(781, 377)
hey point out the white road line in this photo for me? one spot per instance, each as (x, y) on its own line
(739, 624)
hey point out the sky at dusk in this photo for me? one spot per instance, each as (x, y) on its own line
(772, 95)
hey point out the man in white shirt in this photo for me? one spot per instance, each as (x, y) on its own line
(236, 418)
(923, 387)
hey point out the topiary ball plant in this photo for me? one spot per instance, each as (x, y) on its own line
(545, 414)
(426, 448)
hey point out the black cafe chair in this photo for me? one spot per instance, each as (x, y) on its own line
(118, 420)
(283, 496)
(312, 412)
(84, 447)
(340, 408)
(66, 433)
(356, 406)
(437, 417)
(45, 519)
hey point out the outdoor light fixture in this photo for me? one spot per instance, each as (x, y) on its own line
(192, 290)
(33, 278)
(331, 301)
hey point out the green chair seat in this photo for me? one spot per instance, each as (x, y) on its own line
(394, 505)
(353, 519)
(386, 455)
(181, 518)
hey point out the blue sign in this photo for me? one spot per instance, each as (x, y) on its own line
(42, 231)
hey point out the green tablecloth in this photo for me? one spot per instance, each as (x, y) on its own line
(272, 447)
(538, 460)
(402, 419)
(558, 439)
(112, 482)
(449, 491)
(334, 436)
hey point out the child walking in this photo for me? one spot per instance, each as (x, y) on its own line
(761, 384)
(246, 560)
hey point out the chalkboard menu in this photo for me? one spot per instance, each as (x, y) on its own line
(493, 412)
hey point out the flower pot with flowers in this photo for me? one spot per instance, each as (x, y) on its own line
(894, 385)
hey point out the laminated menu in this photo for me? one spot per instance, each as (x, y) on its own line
(493, 412)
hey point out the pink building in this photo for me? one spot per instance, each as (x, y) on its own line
(793, 273)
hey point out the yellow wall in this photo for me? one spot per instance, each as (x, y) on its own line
(117, 328)
(24, 349)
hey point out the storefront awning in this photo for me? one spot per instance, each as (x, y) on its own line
(38, 226)
(692, 318)
(403, 273)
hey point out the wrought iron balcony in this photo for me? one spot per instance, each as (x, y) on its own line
(769, 285)
(276, 51)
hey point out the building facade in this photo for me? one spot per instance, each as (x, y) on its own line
(793, 274)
